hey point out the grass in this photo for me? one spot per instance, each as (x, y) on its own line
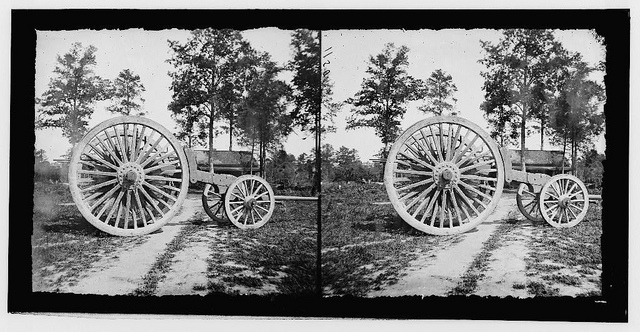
(365, 246)
(282, 252)
(567, 256)
(64, 244)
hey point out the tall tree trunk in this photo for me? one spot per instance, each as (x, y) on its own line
(573, 156)
(523, 132)
(541, 134)
(564, 151)
(261, 158)
(253, 146)
(211, 140)
(231, 132)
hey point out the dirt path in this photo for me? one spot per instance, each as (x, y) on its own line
(190, 255)
(439, 274)
(122, 272)
(496, 259)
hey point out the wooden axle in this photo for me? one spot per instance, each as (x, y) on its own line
(295, 198)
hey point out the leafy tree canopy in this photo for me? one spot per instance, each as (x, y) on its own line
(127, 92)
(70, 98)
(439, 92)
(381, 102)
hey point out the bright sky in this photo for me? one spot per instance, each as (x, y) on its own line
(145, 53)
(455, 51)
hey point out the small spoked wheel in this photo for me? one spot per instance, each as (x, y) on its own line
(529, 202)
(213, 203)
(128, 176)
(249, 202)
(444, 175)
(564, 201)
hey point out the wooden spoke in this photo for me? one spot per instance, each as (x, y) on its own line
(99, 185)
(90, 172)
(159, 166)
(477, 177)
(414, 172)
(139, 203)
(156, 189)
(108, 147)
(158, 156)
(424, 201)
(467, 148)
(470, 167)
(420, 159)
(145, 156)
(416, 160)
(475, 190)
(431, 154)
(127, 209)
(107, 204)
(151, 201)
(100, 157)
(114, 206)
(407, 196)
(162, 178)
(104, 197)
(416, 184)
(426, 151)
(419, 197)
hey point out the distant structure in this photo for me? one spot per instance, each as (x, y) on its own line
(227, 162)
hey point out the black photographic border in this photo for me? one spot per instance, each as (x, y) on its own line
(612, 24)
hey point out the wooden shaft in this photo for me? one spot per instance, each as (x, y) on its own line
(295, 198)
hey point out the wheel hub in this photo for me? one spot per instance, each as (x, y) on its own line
(130, 175)
(249, 202)
(446, 174)
(564, 201)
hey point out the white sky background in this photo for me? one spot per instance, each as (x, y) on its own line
(455, 51)
(145, 53)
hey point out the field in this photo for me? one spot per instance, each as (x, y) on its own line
(369, 251)
(190, 255)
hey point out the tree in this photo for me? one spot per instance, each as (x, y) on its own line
(127, 92)
(576, 117)
(380, 104)
(263, 118)
(205, 68)
(306, 83)
(348, 165)
(516, 66)
(71, 95)
(439, 89)
(281, 169)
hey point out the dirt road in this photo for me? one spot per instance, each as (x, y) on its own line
(495, 259)
(189, 255)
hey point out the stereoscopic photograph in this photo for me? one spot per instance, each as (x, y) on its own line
(433, 165)
(175, 162)
(464, 162)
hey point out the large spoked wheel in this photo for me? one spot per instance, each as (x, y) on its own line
(529, 202)
(128, 176)
(444, 175)
(249, 202)
(213, 203)
(564, 201)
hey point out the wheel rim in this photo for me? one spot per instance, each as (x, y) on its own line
(128, 176)
(444, 175)
(564, 201)
(528, 202)
(213, 203)
(249, 202)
